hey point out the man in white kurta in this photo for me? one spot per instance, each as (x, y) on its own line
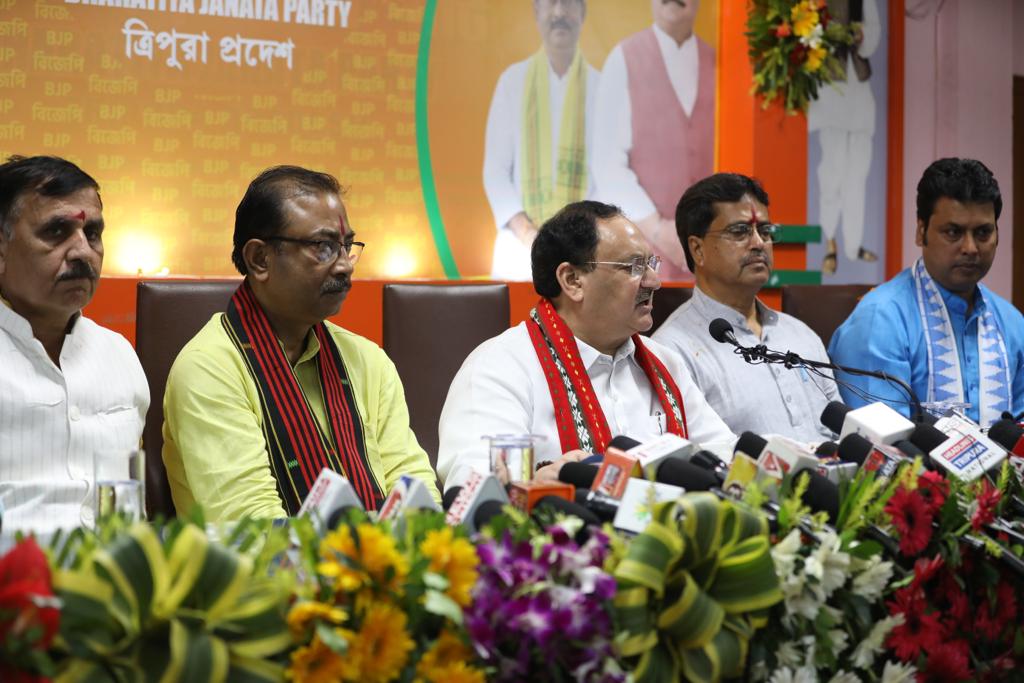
(559, 23)
(69, 389)
(655, 121)
(844, 117)
(603, 291)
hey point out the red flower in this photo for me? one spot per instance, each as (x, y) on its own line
(985, 622)
(948, 662)
(935, 488)
(912, 518)
(988, 498)
(798, 55)
(783, 30)
(925, 570)
(25, 590)
(1006, 602)
(919, 631)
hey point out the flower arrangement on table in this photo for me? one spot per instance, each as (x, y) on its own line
(793, 45)
(29, 614)
(385, 603)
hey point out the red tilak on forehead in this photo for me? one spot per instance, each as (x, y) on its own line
(754, 218)
(80, 215)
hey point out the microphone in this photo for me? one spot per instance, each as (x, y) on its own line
(821, 495)
(685, 475)
(1009, 435)
(474, 503)
(743, 468)
(569, 507)
(957, 445)
(408, 494)
(579, 474)
(877, 422)
(722, 332)
(331, 497)
(652, 453)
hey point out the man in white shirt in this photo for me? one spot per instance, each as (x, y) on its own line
(69, 389)
(655, 120)
(538, 141)
(724, 226)
(577, 371)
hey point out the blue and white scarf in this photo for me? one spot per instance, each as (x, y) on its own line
(945, 376)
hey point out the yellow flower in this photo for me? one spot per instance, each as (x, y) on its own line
(815, 58)
(453, 558)
(316, 663)
(447, 662)
(302, 613)
(380, 650)
(804, 18)
(354, 562)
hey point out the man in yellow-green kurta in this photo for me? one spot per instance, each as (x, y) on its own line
(536, 154)
(269, 394)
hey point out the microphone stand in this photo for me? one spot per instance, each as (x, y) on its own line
(790, 360)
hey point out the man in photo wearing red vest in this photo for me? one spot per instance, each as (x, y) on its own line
(655, 123)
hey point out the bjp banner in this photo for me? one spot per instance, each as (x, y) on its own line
(455, 127)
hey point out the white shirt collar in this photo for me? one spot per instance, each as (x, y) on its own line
(669, 45)
(589, 355)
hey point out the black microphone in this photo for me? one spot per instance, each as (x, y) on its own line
(449, 496)
(722, 332)
(685, 475)
(558, 504)
(579, 474)
(821, 495)
(752, 444)
(623, 442)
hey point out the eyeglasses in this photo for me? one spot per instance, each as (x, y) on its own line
(326, 251)
(954, 233)
(742, 232)
(637, 267)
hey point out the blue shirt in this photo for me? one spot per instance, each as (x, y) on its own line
(885, 333)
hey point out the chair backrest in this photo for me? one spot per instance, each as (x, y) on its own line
(429, 330)
(168, 315)
(666, 300)
(823, 308)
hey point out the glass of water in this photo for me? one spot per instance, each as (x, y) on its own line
(512, 457)
(120, 478)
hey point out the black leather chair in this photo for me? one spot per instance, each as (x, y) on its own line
(823, 308)
(666, 300)
(429, 330)
(168, 314)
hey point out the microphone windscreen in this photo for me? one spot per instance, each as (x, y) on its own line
(449, 496)
(751, 444)
(911, 450)
(834, 415)
(925, 418)
(578, 474)
(685, 475)
(1006, 433)
(623, 443)
(720, 329)
(485, 511)
(827, 449)
(821, 495)
(569, 508)
(854, 448)
(927, 438)
(707, 460)
(335, 518)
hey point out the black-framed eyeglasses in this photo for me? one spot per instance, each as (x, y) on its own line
(637, 267)
(326, 251)
(742, 232)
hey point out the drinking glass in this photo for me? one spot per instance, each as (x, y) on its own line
(512, 457)
(120, 484)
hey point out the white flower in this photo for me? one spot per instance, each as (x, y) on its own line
(873, 579)
(864, 654)
(896, 672)
(844, 677)
(784, 553)
(787, 675)
(840, 640)
(835, 564)
(813, 39)
(789, 653)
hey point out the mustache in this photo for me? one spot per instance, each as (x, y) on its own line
(564, 23)
(335, 286)
(681, 3)
(78, 270)
(755, 257)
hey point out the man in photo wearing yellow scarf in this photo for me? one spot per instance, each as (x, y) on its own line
(536, 149)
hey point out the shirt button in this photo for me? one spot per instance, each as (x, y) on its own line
(789, 399)
(74, 413)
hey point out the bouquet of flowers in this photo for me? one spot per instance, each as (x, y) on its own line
(793, 47)
(542, 607)
(29, 614)
(959, 611)
(385, 603)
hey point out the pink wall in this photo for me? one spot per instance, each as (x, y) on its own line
(959, 89)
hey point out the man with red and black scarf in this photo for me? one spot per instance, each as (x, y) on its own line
(269, 393)
(576, 372)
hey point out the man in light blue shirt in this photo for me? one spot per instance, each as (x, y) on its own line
(727, 237)
(934, 325)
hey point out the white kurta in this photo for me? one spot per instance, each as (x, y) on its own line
(613, 122)
(501, 389)
(53, 419)
(503, 159)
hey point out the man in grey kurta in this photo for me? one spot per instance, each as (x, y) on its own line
(727, 237)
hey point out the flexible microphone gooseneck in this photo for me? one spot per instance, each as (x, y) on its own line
(721, 331)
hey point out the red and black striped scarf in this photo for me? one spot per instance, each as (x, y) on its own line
(581, 421)
(298, 448)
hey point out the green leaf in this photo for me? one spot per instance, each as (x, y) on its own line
(332, 639)
(438, 603)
